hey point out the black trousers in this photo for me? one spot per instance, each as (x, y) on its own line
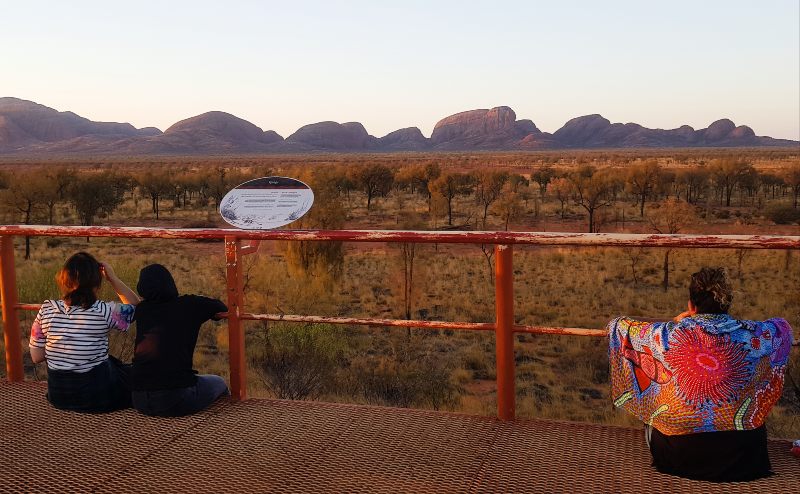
(104, 388)
(724, 456)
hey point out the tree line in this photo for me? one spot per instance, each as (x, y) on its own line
(35, 196)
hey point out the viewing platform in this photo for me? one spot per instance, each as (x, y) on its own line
(303, 446)
(258, 445)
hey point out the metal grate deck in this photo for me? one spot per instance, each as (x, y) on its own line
(285, 446)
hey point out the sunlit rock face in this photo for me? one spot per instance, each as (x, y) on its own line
(28, 128)
(497, 128)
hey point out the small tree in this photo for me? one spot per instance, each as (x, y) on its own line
(694, 182)
(634, 255)
(561, 188)
(217, 182)
(64, 178)
(791, 177)
(26, 194)
(373, 180)
(50, 195)
(408, 252)
(438, 207)
(417, 177)
(728, 173)
(508, 206)
(94, 194)
(590, 190)
(327, 213)
(672, 217)
(543, 176)
(157, 186)
(449, 186)
(641, 180)
(488, 185)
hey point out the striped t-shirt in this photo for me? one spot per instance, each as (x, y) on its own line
(76, 339)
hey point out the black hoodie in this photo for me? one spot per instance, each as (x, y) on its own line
(166, 331)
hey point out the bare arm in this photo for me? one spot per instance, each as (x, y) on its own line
(37, 354)
(126, 295)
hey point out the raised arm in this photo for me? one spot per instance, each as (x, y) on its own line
(126, 295)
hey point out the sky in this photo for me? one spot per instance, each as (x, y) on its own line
(391, 65)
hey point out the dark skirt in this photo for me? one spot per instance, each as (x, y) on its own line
(103, 388)
(725, 456)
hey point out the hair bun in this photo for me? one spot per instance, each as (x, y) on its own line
(715, 282)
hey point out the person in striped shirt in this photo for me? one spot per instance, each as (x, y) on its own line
(71, 334)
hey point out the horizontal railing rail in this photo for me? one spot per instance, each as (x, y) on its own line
(242, 242)
(566, 239)
(401, 323)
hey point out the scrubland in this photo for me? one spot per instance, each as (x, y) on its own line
(558, 377)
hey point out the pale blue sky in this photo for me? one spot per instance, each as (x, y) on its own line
(390, 65)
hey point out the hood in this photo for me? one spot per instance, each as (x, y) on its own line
(156, 284)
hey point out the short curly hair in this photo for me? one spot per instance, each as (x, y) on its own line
(710, 291)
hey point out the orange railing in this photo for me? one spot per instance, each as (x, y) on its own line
(241, 242)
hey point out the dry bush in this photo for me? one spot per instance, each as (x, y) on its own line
(408, 376)
(782, 214)
(299, 362)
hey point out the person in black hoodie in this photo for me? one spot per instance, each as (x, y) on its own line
(164, 382)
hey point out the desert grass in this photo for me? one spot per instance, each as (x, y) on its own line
(558, 377)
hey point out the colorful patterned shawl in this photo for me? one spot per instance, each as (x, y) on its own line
(707, 373)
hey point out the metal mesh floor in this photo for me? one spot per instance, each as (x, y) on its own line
(284, 446)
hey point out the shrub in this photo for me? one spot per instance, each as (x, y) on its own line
(408, 377)
(722, 214)
(782, 214)
(299, 362)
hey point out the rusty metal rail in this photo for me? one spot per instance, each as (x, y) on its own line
(449, 237)
(239, 243)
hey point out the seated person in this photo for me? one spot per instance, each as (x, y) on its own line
(167, 325)
(71, 334)
(703, 383)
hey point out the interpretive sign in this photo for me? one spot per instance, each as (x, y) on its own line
(267, 202)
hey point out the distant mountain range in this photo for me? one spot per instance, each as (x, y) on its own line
(28, 128)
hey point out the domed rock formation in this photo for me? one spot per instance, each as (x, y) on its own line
(581, 131)
(718, 130)
(332, 135)
(496, 128)
(25, 123)
(30, 128)
(408, 139)
(212, 132)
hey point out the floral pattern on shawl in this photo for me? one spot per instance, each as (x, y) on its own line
(709, 372)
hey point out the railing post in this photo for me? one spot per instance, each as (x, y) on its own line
(504, 331)
(8, 292)
(238, 362)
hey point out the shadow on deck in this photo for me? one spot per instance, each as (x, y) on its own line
(286, 446)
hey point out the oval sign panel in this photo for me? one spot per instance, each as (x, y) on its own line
(266, 203)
